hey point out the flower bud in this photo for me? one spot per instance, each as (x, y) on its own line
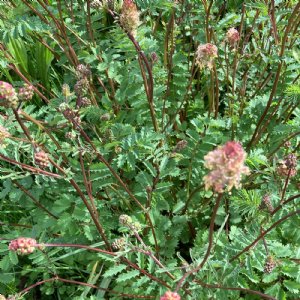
(66, 90)
(125, 220)
(135, 226)
(154, 57)
(270, 264)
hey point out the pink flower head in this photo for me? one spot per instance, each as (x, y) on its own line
(23, 245)
(232, 36)
(170, 296)
(205, 55)
(26, 92)
(227, 166)
(6, 90)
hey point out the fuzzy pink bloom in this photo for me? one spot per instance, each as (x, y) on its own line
(227, 166)
(23, 245)
(6, 90)
(205, 55)
(26, 92)
(232, 36)
(170, 296)
(130, 17)
(8, 95)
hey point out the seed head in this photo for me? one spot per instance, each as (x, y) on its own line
(205, 55)
(83, 71)
(270, 264)
(180, 146)
(129, 18)
(81, 86)
(227, 166)
(96, 4)
(41, 159)
(118, 244)
(170, 296)
(23, 245)
(84, 102)
(287, 166)
(154, 57)
(266, 202)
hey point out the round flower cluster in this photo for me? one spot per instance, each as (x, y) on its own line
(118, 243)
(170, 296)
(8, 95)
(41, 159)
(130, 18)
(26, 92)
(23, 245)
(227, 166)
(232, 36)
(205, 55)
(287, 166)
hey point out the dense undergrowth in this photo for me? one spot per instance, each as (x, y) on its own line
(149, 149)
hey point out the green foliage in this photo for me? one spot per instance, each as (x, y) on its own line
(129, 139)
